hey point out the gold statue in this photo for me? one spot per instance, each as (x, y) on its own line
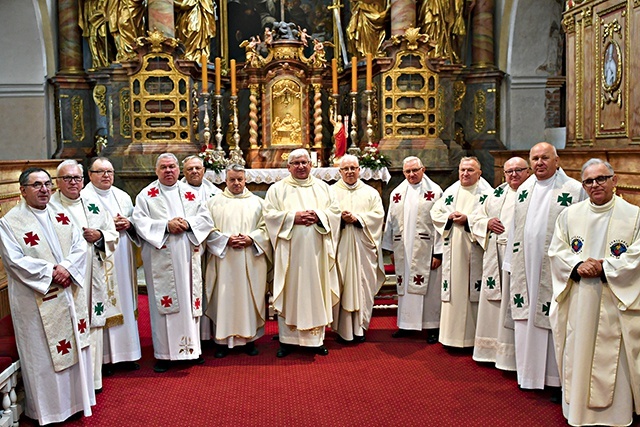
(443, 22)
(93, 22)
(365, 32)
(195, 26)
(125, 24)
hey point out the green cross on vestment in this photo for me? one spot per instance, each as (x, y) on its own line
(448, 200)
(518, 300)
(565, 199)
(491, 282)
(99, 308)
(546, 307)
(482, 199)
(93, 208)
(445, 285)
(522, 196)
(498, 191)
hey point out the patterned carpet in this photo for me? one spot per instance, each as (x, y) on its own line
(382, 382)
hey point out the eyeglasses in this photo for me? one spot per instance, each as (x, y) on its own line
(70, 178)
(350, 168)
(38, 185)
(599, 180)
(296, 164)
(408, 171)
(515, 171)
(103, 171)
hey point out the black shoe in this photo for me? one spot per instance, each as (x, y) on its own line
(401, 333)
(359, 338)
(107, 370)
(556, 395)
(251, 350)
(343, 341)
(221, 352)
(130, 366)
(161, 366)
(198, 361)
(432, 338)
(98, 390)
(322, 350)
(283, 351)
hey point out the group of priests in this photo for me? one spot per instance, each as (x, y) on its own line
(537, 274)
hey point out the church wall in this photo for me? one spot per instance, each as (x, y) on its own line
(27, 59)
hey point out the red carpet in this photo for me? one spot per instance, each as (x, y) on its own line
(382, 382)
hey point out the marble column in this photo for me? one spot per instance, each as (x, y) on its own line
(403, 16)
(69, 38)
(161, 17)
(482, 38)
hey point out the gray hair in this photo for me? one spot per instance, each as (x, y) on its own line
(471, 158)
(596, 161)
(299, 152)
(349, 157)
(411, 159)
(166, 156)
(69, 162)
(235, 167)
(189, 158)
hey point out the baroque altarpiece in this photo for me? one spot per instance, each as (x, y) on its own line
(130, 83)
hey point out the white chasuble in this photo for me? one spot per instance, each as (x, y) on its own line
(494, 341)
(121, 343)
(461, 264)
(360, 268)
(595, 324)
(172, 266)
(49, 320)
(409, 230)
(236, 279)
(305, 283)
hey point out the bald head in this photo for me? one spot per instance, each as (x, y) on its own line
(544, 160)
(516, 171)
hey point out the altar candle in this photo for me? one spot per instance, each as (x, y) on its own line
(334, 76)
(354, 74)
(218, 66)
(233, 77)
(205, 82)
(369, 70)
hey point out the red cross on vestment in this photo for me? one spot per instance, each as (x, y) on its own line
(62, 218)
(189, 196)
(396, 198)
(429, 195)
(63, 347)
(399, 280)
(31, 239)
(82, 325)
(197, 303)
(418, 280)
(153, 192)
(166, 301)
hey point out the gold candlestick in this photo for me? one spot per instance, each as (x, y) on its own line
(235, 153)
(369, 132)
(353, 148)
(218, 153)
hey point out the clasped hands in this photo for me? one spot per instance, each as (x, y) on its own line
(121, 223)
(305, 218)
(61, 276)
(458, 218)
(239, 241)
(590, 268)
(348, 217)
(495, 225)
(177, 225)
(91, 235)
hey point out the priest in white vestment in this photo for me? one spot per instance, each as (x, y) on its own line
(360, 265)
(303, 221)
(172, 222)
(121, 344)
(45, 260)
(236, 279)
(595, 310)
(462, 255)
(193, 171)
(540, 199)
(494, 342)
(417, 251)
(99, 232)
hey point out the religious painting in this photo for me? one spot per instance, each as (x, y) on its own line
(249, 18)
(286, 113)
(611, 66)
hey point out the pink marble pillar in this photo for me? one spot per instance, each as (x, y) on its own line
(403, 16)
(69, 38)
(482, 38)
(161, 17)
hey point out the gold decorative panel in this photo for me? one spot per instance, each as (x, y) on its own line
(410, 101)
(77, 117)
(286, 112)
(160, 101)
